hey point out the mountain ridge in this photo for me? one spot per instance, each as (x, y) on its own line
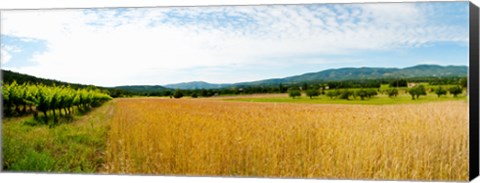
(345, 73)
(196, 85)
(334, 74)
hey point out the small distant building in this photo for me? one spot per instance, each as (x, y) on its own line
(411, 85)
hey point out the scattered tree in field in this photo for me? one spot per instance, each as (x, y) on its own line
(194, 95)
(312, 93)
(361, 93)
(371, 93)
(322, 92)
(440, 91)
(393, 92)
(333, 94)
(345, 94)
(412, 92)
(294, 93)
(178, 94)
(464, 82)
(456, 90)
(416, 91)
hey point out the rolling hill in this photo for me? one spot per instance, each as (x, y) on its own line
(348, 73)
(142, 88)
(10, 76)
(339, 74)
(196, 85)
(376, 73)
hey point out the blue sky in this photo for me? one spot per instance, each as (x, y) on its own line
(226, 44)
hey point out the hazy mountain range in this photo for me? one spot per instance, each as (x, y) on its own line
(347, 73)
(197, 85)
(340, 74)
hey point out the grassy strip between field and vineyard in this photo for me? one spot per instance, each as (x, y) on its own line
(75, 146)
(426, 141)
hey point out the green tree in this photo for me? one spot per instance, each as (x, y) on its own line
(371, 93)
(456, 90)
(464, 82)
(393, 92)
(440, 91)
(167, 93)
(294, 93)
(361, 93)
(178, 94)
(194, 95)
(333, 94)
(282, 88)
(416, 91)
(312, 93)
(305, 87)
(345, 94)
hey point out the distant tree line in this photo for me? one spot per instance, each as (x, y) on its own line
(313, 89)
(310, 88)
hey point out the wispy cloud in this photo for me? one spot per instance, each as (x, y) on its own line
(109, 46)
(5, 55)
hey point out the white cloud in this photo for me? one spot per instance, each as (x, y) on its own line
(105, 47)
(6, 53)
(5, 56)
(394, 14)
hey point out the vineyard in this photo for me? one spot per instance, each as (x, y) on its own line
(37, 98)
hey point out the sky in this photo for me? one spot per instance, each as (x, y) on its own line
(228, 44)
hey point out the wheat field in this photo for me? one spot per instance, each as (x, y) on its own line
(215, 138)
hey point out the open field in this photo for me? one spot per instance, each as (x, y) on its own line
(376, 100)
(426, 141)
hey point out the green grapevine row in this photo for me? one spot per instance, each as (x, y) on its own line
(39, 98)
